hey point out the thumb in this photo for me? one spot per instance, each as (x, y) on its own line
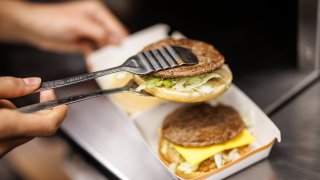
(11, 87)
(86, 47)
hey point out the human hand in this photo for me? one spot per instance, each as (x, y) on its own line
(18, 128)
(62, 27)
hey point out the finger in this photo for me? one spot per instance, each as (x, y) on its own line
(54, 116)
(9, 144)
(117, 30)
(70, 47)
(48, 95)
(43, 123)
(86, 28)
(7, 104)
(90, 68)
(86, 47)
(11, 87)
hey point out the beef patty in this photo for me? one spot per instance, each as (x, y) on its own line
(209, 58)
(202, 125)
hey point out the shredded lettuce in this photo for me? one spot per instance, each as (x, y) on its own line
(206, 88)
(194, 82)
(218, 160)
(187, 168)
(186, 84)
(173, 166)
(232, 155)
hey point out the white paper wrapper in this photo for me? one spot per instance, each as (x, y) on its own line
(263, 129)
(148, 117)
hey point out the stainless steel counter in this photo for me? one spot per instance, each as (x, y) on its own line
(110, 138)
(114, 144)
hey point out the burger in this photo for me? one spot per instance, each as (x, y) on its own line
(205, 80)
(196, 139)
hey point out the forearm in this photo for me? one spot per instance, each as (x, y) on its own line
(12, 16)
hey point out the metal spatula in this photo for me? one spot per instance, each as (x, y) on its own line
(129, 87)
(141, 63)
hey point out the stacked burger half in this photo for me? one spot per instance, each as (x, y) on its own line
(197, 137)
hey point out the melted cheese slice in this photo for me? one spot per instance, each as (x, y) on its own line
(196, 155)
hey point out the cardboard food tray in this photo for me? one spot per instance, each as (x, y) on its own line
(147, 113)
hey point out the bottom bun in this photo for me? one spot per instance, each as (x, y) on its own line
(208, 165)
(220, 86)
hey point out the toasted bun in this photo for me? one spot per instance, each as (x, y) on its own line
(170, 157)
(130, 103)
(204, 167)
(172, 95)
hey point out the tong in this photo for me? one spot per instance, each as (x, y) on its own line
(131, 86)
(142, 63)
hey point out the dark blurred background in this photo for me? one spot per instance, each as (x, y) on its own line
(251, 34)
